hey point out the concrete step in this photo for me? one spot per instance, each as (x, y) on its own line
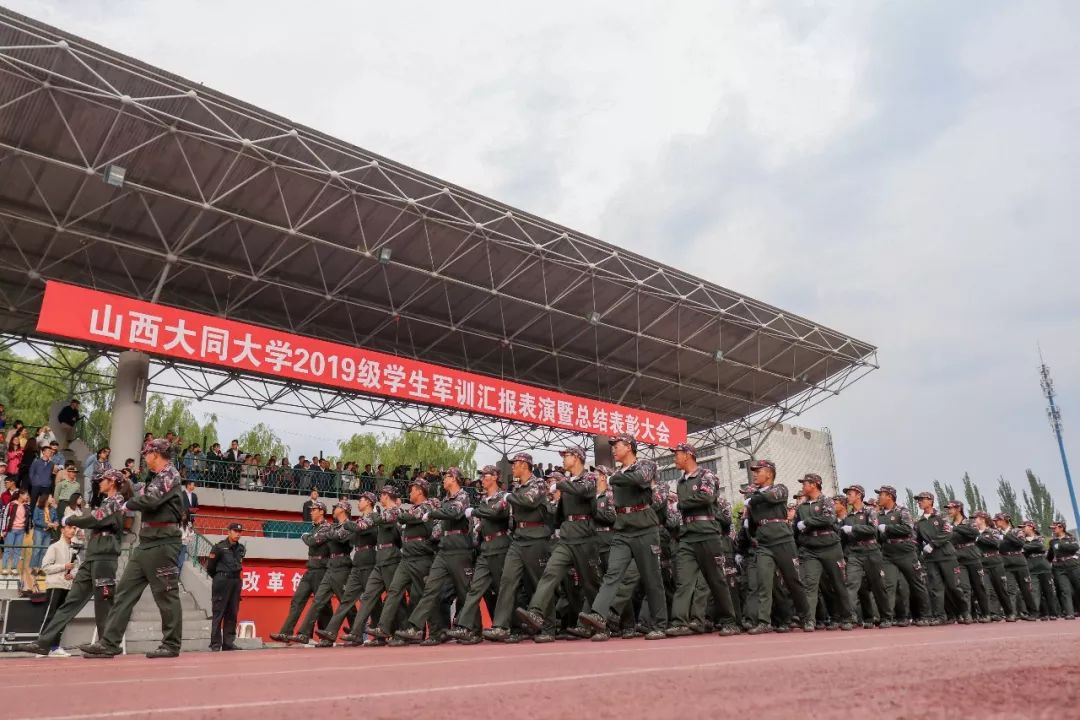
(152, 615)
(141, 631)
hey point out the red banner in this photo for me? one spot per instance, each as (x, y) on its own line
(267, 580)
(75, 312)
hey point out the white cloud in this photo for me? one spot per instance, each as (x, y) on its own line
(903, 172)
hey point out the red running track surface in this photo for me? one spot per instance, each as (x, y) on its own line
(1021, 670)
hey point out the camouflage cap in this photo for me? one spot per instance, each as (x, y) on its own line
(603, 470)
(840, 499)
(871, 501)
(1003, 516)
(624, 438)
(799, 495)
(318, 505)
(117, 476)
(522, 457)
(955, 504)
(555, 476)
(490, 470)
(981, 514)
(857, 488)
(452, 472)
(1028, 523)
(420, 483)
(888, 489)
(759, 464)
(575, 450)
(369, 496)
(390, 490)
(812, 478)
(160, 446)
(687, 448)
(591, 477)
(344, 505)
(924, 496)
(1059, 523)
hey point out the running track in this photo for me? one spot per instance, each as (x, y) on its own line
(1021, 670)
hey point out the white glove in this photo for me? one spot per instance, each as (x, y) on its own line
(738, 560)
(881, 528)
(928, 548)
(468, 512)
(801, 525)
(848, 529)
(424, 517)
(746, 523)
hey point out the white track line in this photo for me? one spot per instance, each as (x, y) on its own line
(417, 692)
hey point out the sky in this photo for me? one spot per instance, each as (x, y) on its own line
(906, 173)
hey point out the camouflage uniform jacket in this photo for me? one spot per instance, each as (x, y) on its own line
(577, 498)
(815, 524)
(1035, 552)
(632, 487)
(897, 530)
(768, 506)
(161, 503)
(1063, 551)
(417, 531)
(317, 540)
(530, 507)
(697, 504)
(454, 523)
(106, 525)
(364, 536)
(935, 530)
(492, 516)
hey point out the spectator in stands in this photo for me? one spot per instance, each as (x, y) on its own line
(380, 477)
(59, 565)
(174, 447)
(13, 431)
(310, 503)
(3, 417)
(282, 474)
(69, 417)
(3, 471)
(41, 476)
(75, 506)
(66, 486)
(45, 436)
(187, 537)
(215, 464)
(96, 465)
(14, 456)
(191, 500)
(17, 516)
(249, 474)
(194, 463)
(41, 527)
(234, 454)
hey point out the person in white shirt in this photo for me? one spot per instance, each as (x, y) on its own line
(60, 565)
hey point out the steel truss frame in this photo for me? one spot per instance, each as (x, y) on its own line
(470, 282)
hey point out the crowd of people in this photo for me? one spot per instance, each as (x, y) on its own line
(598, 553)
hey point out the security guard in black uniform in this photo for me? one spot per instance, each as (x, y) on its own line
(224, 565)
(313, 575)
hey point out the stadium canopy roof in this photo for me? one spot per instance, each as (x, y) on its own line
(228, 209)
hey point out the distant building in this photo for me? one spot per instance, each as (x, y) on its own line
(795, 450)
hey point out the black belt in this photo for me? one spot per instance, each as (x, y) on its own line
(530, 524)
(990, 553)
(895, 541)
(160, 524)
(385, 546)
(818, 533)
(1013, 554)
(866, 542)
(767, 521)
(960, 546)
(231, 576)
(579, 518)
(603, 528)
(496, 535)
(334, 556)
(361, 548)
(631, 509)
(414, 538)
(697, 518)
(454, 532)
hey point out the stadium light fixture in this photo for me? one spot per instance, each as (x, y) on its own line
(594, 318)
(718, 356)
(384, 255)
(114, 175)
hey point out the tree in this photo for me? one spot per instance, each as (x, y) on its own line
(175, 415)
(1039, 504)
(913, 506)
(262, 440)
(411, 447)
(944, 493)
(974, 498)
(1007, 498)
